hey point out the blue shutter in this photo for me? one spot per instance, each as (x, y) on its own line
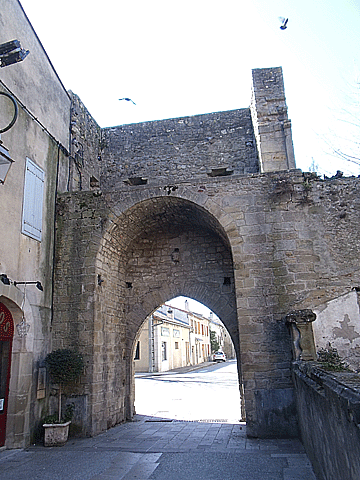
(33, 200)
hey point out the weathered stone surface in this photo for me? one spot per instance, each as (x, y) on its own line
(278, 238)
(135, 246)
(203, 146)
(329, 417)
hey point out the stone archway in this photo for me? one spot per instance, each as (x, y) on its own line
(171, 247)
(123, 253)
(156, 249)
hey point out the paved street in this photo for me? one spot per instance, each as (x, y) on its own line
(208, 393)
(158, 445)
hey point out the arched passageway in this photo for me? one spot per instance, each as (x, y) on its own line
(143, 256)
(122, 254)
(169, 247)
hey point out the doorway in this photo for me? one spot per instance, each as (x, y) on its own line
(6, 338)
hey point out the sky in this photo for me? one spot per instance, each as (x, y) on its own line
(180, 58)
(194, 306)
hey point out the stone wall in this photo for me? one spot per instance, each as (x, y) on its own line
(174, 150)
(329, 418)
(112, 272)
(183, 210)
(278, 237)
(81, 171)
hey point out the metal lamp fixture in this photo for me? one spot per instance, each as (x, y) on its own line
(5, 159)
(12, 52)
(5, 162)
(37, 285)
(4, 278)
(6, 281)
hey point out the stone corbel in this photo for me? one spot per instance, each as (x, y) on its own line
(303, 344)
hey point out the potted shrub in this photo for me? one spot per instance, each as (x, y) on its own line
(64, 367)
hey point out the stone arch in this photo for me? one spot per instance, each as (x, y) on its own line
(115, 265)
(158, 249)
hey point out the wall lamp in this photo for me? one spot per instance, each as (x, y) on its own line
(37, 285)
(5, 162)
(12, 52)
(4, 278)
(6, 281)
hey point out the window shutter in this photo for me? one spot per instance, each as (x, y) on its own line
(33, 201)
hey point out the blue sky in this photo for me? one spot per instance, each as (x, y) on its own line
(195, 56)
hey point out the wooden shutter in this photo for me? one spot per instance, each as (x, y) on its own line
(33, 200)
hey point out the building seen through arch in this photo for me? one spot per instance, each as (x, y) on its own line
(173, 337)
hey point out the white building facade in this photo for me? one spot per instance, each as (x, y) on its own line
(172, 338)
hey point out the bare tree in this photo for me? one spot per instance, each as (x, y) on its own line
(348, 140)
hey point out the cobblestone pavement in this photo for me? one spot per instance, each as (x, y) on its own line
(160, 449)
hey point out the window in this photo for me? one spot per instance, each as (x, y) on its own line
(33, 201)
(176, 345)
(163, 351)
(176, 333)
(137, 352)
(165, 331)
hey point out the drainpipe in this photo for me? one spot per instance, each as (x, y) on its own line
(151, 345)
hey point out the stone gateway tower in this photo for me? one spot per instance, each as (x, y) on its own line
(210, 207)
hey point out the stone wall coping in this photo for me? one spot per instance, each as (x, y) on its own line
(344, 384)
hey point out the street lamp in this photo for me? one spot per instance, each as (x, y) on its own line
(4, 278)
(5, 159)
(6, 281)
(37, 284)
(12, 52)
(5, 162)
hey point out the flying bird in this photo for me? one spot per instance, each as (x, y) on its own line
(284, 22)
(128, 100)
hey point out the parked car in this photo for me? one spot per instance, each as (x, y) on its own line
(219, 357)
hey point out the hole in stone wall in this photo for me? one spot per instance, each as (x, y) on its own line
(128, 284)
(175, 256)
(94, 182)
(227, 280)
(136, 181)
(220, 172)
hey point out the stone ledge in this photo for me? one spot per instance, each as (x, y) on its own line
(346, 384)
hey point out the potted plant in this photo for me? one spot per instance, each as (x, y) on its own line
(64, 367)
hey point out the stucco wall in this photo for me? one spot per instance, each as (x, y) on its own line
(338, 323)
(39, 133)
(34, 81)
